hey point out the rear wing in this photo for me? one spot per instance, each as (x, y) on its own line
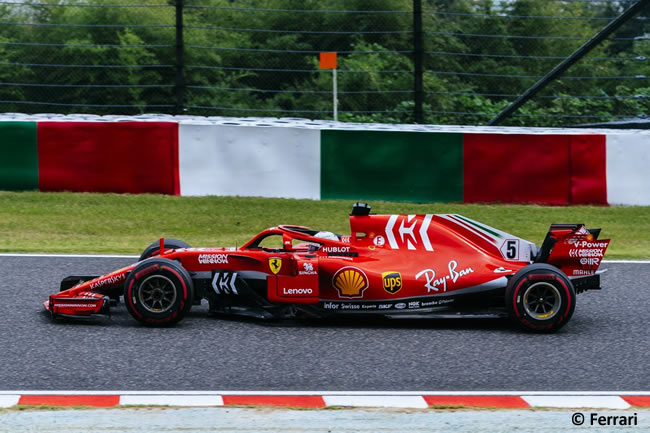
(573, 248)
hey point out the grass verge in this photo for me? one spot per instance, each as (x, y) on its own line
(126, 224)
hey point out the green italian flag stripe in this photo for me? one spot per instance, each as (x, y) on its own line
(485, 229)
(18, 156)
(391, 165)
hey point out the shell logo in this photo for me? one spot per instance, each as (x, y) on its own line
(350, 282)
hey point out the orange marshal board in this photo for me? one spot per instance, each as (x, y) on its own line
(328, 60)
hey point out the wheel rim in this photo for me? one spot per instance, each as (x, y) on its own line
(542, 301)
(157, 294)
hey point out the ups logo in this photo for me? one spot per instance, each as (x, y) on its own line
(392, 281)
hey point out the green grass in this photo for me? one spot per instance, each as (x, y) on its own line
(126, 224)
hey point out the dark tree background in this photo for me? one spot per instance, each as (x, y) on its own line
(260, 58)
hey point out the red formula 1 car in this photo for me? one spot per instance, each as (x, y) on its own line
(390, 265)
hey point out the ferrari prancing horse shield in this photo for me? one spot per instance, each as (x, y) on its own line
(275, 263)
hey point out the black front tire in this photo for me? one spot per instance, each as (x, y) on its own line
(154, 248)
(158, 292)
(540, 298)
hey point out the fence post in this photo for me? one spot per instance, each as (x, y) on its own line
(569, 61)
(417, 61)
(179, 89)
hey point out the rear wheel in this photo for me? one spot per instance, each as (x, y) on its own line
(154, 248)
(158, 292)
(540, 298)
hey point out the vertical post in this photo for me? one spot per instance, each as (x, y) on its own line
(335, 91)
(328, 61)
(180, 83)
(417, 61)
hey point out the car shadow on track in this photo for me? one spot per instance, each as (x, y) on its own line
(199, 317)
(378, 322)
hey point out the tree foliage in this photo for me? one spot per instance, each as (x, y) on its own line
(260, 58)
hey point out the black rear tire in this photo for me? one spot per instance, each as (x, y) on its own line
(158, 292)
(154, 248)
(540, 298)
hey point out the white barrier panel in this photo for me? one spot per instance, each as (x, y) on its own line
(628, 169)
(249, 161)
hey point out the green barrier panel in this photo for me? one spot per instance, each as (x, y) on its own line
(18, 156)
(392, 165)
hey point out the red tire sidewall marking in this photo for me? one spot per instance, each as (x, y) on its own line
(568, 297)
(514, 296)
(182, 281)
(146, 271)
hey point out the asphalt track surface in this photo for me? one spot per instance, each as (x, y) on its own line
(604, 347)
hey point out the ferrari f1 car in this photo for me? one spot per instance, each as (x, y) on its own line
(394, 266)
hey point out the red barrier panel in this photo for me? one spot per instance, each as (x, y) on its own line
(516, 168)
(588, 169)
(123, 157)
(546, 169)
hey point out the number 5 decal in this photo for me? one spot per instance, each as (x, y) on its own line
(510, 249)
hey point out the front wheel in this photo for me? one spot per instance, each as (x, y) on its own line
(540, 298)
(158, 292)
(154, 248)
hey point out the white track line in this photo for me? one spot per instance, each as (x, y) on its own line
(627, 261)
